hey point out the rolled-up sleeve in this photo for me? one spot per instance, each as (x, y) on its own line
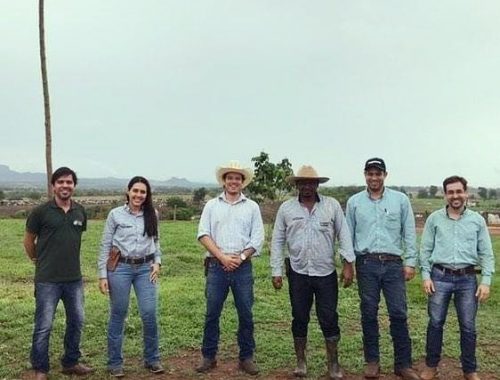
(257, 231)
(204, 224)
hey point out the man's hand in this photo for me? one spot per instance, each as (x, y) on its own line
(230, 262)
(409, 273)
(428, 287)
(103, 286)
(347, 275)
(277, 282)
(483, 292)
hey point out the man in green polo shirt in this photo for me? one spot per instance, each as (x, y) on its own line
(52, 242)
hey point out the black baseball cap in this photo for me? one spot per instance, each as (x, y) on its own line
(376, 163)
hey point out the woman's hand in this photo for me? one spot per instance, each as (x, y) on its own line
(155, 272)
(103, 286)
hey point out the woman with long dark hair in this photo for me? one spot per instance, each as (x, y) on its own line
(133, 230)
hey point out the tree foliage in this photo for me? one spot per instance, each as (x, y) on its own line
(483, 192)
(423, 193)
(433, 191)
(269, 181)
(199, 196)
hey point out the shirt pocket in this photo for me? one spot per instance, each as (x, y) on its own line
(392, 221)
(124, 231)
(325, 225)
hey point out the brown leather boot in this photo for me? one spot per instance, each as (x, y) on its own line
(372, 370)
(248, 366)
(300, 351)
(428, 373)
(332, 359)
(78, 370)
(471, 376)
(407, 373)
(206, 365)
(40, 375)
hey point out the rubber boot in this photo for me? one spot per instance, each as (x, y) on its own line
(300, 351)
(332, 359)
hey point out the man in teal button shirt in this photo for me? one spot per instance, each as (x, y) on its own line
(454, 242)
(382, 227)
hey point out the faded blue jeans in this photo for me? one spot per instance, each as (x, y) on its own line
(240, 281)
(463, 289)
(120, 282)
(47, 296)
(375, 276)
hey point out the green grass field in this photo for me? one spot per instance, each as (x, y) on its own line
(182, 308)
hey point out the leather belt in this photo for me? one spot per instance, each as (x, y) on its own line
(458, 272)
(136, 260)
(382, 257)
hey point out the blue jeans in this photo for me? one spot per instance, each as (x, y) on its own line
(217, 288)
(375, 276)
(303, 290)
(120, 282)
(47, 296)
(463, 289)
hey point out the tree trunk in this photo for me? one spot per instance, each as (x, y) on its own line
(46, 99)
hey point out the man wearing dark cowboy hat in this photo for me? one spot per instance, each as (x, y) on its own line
(308, 226)
(383, 231)
(232, 231)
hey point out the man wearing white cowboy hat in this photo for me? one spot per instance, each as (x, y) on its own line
(308, 226)
(232, 231)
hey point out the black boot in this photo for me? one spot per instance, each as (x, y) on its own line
(300, 352)
(332, 359)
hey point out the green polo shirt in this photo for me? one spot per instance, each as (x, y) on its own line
(58, 241)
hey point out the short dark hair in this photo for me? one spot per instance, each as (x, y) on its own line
(62, 172)
(453, 179)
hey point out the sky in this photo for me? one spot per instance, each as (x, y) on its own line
(164, 88)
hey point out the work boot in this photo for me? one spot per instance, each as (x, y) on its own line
(332, 359)
(471, 376)
(428, 373)
(40, 375)
(248, 366)
(300, 352)
(206, 365)
(78, 369)
(407, 373)
(372, 370)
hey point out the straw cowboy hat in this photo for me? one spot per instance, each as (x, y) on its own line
(234, 167)
(306, 172)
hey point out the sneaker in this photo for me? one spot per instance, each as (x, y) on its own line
(154, 367)
(206, 365)
(117, 372)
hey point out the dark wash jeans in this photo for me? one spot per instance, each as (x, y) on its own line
(375, 276)
(323, 290)
(463, 289)
(240, 281)
(47, 296)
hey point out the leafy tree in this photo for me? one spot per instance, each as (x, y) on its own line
(433, 191)
(269, 181)
(492, 194)
(423, 193)
(199, 195)
(483, 192)
(176, 202)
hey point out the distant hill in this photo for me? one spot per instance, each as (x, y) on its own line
(15, 179)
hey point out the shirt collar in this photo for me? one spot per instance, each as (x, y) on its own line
(448, 215)
(129, 210)
(222, 197)
(369, 195)
(53, 204)
(318, 199)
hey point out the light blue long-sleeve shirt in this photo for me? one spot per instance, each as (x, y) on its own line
(384, 225)
(310, 237)
(233, 227)
(456, 243)
(125, 231)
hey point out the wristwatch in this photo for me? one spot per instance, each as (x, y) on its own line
(242, 256)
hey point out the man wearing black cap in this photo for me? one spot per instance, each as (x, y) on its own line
(382, 227)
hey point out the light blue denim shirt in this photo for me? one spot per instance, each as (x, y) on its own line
(384, 225)
(456, 243)
(233, 227)
(310, 237)
(125, 230)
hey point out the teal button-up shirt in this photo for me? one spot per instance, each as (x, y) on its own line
(384, 225)
(456, 243)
